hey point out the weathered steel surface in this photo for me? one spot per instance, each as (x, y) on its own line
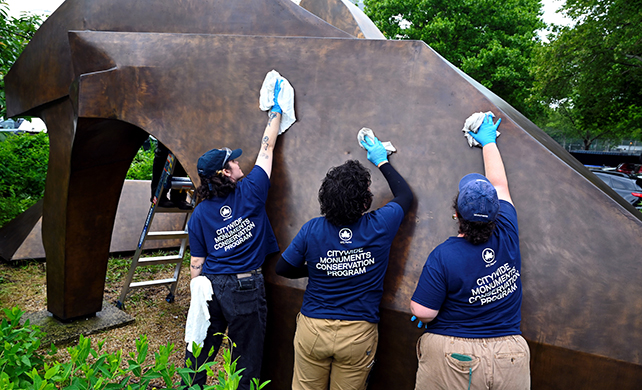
(580, 247)
(132, 210)
(345, 16)
(88, 157)
(44, 71)
(17, 230)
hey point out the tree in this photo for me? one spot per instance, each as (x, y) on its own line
(591, 72)
(490, 41)
(15, 34)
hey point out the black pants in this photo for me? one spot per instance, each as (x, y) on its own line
(244, 311)
(160, 157)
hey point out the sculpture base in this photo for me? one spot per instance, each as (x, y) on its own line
(59, 332)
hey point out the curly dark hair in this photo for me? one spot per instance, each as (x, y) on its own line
(345, 193)
(214, 186)
(474, 232)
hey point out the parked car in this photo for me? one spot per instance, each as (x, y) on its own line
(630, 168)
(627, 186)
(21, 125)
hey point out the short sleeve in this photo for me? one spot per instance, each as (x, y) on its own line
(257, 184)
(508, 217)
(391, 215)
(431, 289)
(196, 240)
(294, 254)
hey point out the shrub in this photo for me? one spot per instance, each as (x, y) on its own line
(22, 368)
(18, 350)
(22, 173)
(141, 167)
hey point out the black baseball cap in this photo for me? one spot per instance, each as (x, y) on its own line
(214, 160)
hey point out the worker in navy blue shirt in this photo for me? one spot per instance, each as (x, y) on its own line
(469, 293)
(345, 254)
(230, 236)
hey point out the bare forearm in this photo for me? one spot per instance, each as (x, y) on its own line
(268, 141)
(196, 266)
(423, 313)
(495, 171)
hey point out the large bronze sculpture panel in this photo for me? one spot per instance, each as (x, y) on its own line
(580, 243)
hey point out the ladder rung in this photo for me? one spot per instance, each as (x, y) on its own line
(180, 234)
(153, 260)
(159, 282)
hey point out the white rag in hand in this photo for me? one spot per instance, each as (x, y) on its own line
(472, 125)
(285, 99)
(198, 316)
(366, 132)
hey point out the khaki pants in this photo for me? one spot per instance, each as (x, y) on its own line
(341, 352)
(496, 363)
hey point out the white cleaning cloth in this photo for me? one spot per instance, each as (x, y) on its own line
(472, 125)
(366, 132)
(198, 316)
(285, 99)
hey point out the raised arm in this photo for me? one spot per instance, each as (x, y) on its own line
(495, 172)
(493, 164)
(268, 141)
(398, 186)
(378, 155)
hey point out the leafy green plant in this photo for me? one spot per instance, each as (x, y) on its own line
(229, 377)
(22, 173)
(18, 350)
(141, 167)
(22, 368)
(16, 34)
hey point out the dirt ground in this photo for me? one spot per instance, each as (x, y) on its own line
(23, 284)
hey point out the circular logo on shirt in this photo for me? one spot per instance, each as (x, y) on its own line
(488, 255)
(226, 212)
(345, 235)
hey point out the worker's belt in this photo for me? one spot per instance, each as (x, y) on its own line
(248, 274)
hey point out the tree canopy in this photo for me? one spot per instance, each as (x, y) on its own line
(15, 34)
(491, 41)
(591, 72)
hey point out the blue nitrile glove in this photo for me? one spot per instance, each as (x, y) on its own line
(377, 154)
(487, 133)
(419, 324)
(277, 89)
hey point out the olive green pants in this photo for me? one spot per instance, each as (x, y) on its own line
(335, 351)
(456, 363)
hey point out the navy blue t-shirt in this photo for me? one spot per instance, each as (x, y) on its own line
(476, 288)
(346, 264)
(234, 233)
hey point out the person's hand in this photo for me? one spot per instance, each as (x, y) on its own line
(377, 154)
(277, 89)
(419, 324)
(487, 133)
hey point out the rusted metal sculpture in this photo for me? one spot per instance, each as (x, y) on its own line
(21, 239)
(344, 15)
(136, 68)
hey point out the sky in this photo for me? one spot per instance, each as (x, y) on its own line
(49, 6)
(34, 6)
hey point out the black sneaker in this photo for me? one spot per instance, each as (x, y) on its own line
(165, 203)
(182, 205)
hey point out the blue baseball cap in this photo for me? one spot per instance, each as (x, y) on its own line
(477, 200)
(214, 160)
